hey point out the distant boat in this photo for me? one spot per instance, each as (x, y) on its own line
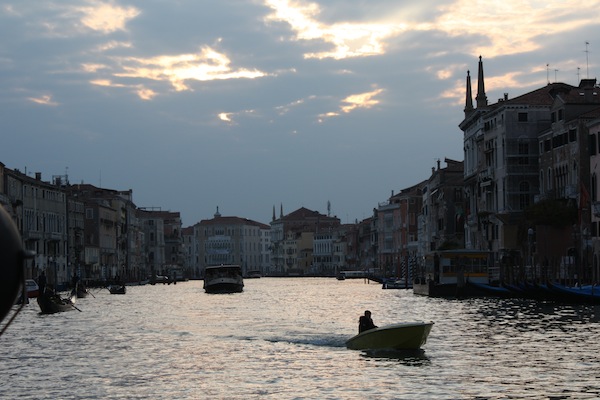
(223, 279)
(447, 273)
(32, 288)
(117, 289)
(396, 284)
(80, 291)
(253, 274)
(589, 294)
(403, 336)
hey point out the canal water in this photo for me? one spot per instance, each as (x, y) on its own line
(284, 339)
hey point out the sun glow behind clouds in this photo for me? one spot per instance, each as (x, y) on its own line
(205, 66)
(106, 17)
(516, 25)
(353, 102)
(348, 39)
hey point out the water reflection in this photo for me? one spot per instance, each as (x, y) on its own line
(412, 358)
(285, 339)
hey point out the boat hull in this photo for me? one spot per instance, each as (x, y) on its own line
(117, 289)
(405, 336)
(223, 285)
(223, 279)
(52, 304)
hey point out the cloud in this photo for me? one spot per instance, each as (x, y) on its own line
(106, 17)
(206, 65)
(353, 102)
(347, 39)
(44, 100)
(515, 24)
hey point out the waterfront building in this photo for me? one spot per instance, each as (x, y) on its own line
(152, 222)
(397, 233)
(292, 242)
(190, 252)
(443, 212)
(406, 237)
(387, 227)
(173, 242)
(560, 242)
(232, 240)
(113, 240)
(594, 193)
(501, 169)
(76, 236)
(40, 210)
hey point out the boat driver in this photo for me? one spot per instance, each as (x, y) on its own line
(365, 322)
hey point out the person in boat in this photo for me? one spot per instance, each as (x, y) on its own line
(365, 322)
(74, 280)
(42, 283)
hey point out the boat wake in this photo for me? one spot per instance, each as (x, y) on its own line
(416, 357)
(311, 340)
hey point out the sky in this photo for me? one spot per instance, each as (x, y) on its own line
(260, 104)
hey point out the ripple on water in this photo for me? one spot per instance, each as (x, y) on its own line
(285, 339)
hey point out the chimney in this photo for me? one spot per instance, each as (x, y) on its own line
(38, 176)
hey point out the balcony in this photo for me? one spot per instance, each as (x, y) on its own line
(487, 174)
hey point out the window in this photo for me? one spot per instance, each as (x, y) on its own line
(89, 213)
(522, 117)
(523, 195)
(523, 151)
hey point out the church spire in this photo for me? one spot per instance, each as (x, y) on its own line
(273, 213)
(481, 98)
(469, 99)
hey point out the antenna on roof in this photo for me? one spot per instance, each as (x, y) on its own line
(555, 71)
(587, 60)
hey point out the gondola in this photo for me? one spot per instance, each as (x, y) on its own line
(51, 303)
(117, 289)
